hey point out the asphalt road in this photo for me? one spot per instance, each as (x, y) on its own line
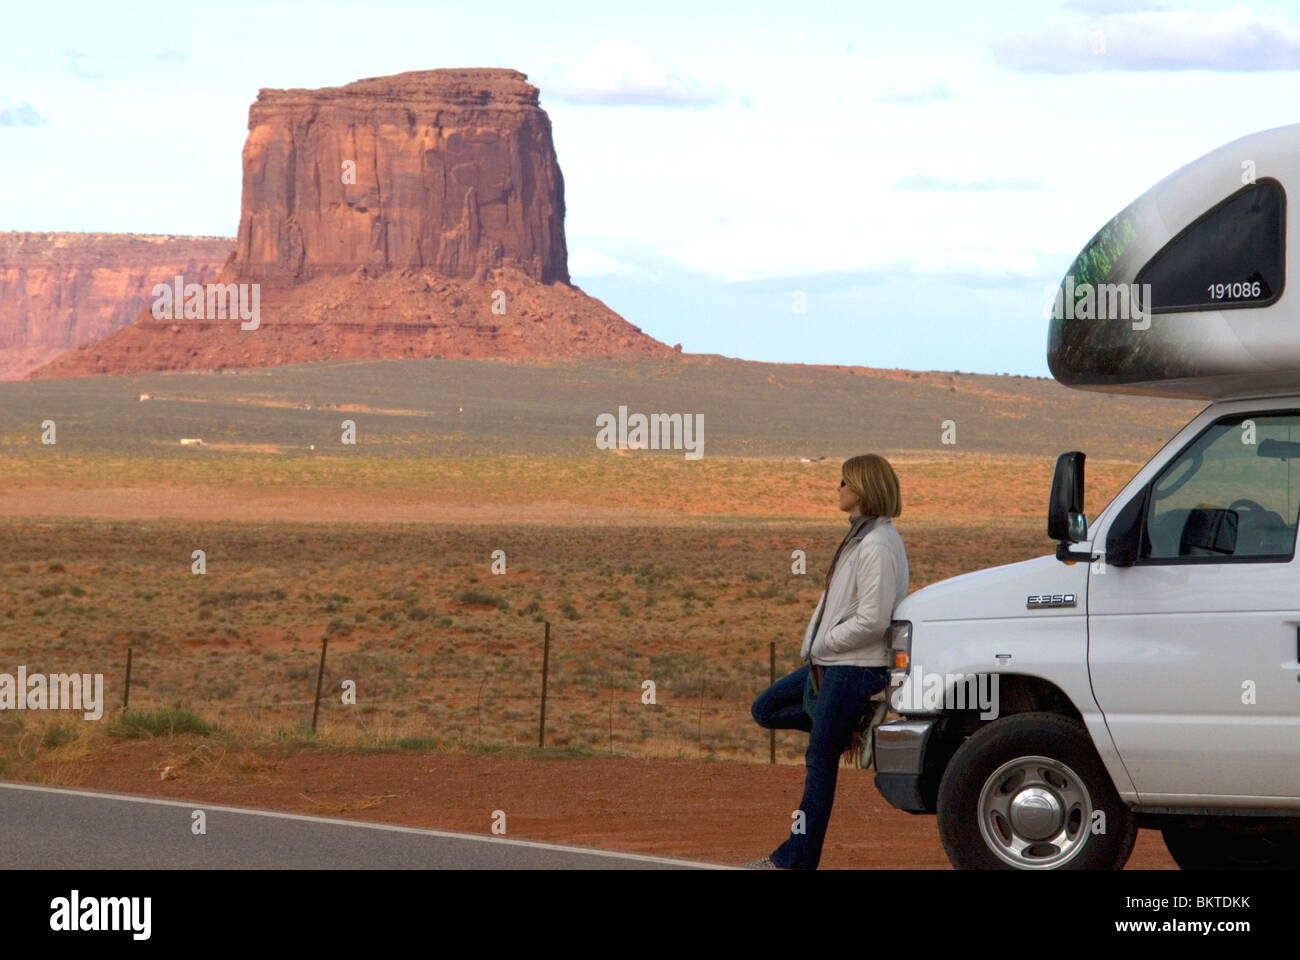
(55, 828)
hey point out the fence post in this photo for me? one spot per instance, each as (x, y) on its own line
(699, 722)
(546, 666)
(479, 708)
(611, 715)
(771, 669)
(126, 694)
(320, 678)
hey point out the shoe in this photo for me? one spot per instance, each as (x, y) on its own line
(862, 737)
(763, 863)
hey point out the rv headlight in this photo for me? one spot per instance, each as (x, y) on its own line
(898, 646)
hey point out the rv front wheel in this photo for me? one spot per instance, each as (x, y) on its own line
(1029, 792)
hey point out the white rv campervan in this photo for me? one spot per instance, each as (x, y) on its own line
(1148, 674)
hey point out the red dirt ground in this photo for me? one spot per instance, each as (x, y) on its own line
(715, 811)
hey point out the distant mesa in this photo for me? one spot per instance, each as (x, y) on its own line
(416, 215)
(60, 290)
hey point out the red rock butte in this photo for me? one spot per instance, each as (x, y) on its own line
(453, 170)
(416, 215)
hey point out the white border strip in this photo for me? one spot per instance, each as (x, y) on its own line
(422, 831)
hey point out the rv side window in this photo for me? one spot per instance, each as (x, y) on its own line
(1232, 256)
(1233, 494)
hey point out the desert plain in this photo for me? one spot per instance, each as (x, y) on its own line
(428, 558)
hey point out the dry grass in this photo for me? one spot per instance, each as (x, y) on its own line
(445, 654)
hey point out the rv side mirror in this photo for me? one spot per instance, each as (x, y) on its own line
(1066, 523)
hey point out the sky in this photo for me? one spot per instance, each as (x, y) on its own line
(879, 184)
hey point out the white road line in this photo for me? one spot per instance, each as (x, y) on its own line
(394, 828)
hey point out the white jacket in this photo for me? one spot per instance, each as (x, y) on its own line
(870, 580)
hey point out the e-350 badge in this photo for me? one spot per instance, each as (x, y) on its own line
(1045, 600)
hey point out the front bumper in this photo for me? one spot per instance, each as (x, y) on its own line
(899, 752)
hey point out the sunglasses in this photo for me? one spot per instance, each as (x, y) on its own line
(843, 482)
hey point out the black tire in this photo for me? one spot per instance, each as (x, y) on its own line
(1053, 780)
(1233, 843)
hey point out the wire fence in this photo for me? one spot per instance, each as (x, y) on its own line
(618, 712)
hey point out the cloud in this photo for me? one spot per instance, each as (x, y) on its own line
(619, 74)
(915, 90)
(1112, 6)
(1234, 40)
(921, 181)
(993, 263)
(586, 262)
(174, 55)
(77, 64)
(19, 114)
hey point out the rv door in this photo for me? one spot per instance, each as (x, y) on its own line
(1193, 647)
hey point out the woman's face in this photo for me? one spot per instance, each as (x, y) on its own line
(848, 499)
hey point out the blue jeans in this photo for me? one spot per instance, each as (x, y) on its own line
(836, 710)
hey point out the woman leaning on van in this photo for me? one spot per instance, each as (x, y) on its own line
(844, 646)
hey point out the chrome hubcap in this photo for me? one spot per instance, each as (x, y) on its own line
(1035, 813)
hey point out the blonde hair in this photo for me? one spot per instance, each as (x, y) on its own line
(873, 480)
